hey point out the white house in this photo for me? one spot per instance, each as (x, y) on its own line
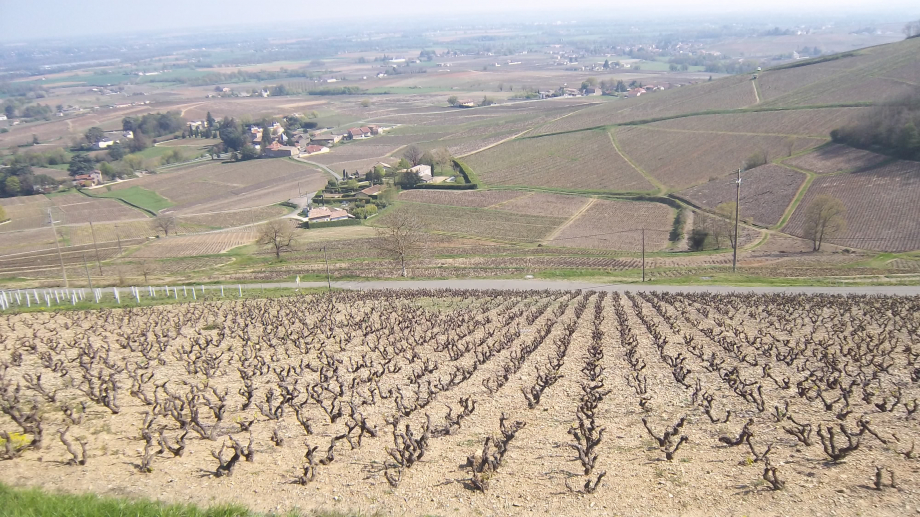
(423, 171)
(323, 214)
(102, 144)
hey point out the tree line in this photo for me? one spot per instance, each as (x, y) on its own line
(889, 129)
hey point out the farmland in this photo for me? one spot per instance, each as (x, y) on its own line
(617, 225)
(211, 186)
(728, 93)
(576, 161)
(835, 158)
(860, 77)
(765, 194)
(72, 208)
(473, 199)
(479, 222)
(816, 123)
(471, 402)
(538, 203)
(137, 196)
(881, 208)
(692, 158)
(194, 245)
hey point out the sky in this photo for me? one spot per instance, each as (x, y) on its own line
(42, 19)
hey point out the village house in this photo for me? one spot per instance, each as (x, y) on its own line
(371, 192)
(325, 214)
(635, 92)
(88, 180)
(593, 91)
(466, 104)
(326, 139)
(106, 142)
(276, 150)
(423, 171)
(358, 133)
(315, 149)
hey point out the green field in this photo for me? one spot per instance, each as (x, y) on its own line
(141, 197)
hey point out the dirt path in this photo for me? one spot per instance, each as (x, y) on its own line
(651, 179)
(571, 220)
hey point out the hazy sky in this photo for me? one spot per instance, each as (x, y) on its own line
(57, 18)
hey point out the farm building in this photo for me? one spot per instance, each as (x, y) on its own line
(327, 140)
(593, 91)
(357, 133)
(423, 171)
(277, 150)
(88, 180)
(324, 214)
(315, 149)
(466, 104)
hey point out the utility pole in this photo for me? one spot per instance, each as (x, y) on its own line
(328, 279)
(58, 246)
(86, 268)
(95, 247)
(737, 214)
(643, 254)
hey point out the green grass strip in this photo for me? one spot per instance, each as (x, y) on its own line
(135, 196)
(32, 502)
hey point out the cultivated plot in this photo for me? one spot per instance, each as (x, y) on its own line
(617, 225)
(881, 207)
(766, 192)
(479, 222)
(212, 186)
(473, 402)
(576, 161)
(682, 159)
(837, 158)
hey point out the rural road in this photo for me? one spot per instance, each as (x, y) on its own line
(232, 290)
(536, 285)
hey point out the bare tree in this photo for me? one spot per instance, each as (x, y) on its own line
(825, 217)
(279, 235)
(145, 269)
(724, 226)
(401, 236)
(164, 223)
(912, 29)
(413, 155)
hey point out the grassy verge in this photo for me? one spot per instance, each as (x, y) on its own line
(136, 196)
(32, 502)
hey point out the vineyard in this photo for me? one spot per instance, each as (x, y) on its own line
(31, 212)
(727, 93)
(866, 76)
(813, 122)
(474, 402)
(194, 245)
(355, 151)
(211, 187)
(881, 208)
(837, 158)
(479, 222)
(691, 158)
(766, 192)
(577, 161)
(474, 198)
(617, 225)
